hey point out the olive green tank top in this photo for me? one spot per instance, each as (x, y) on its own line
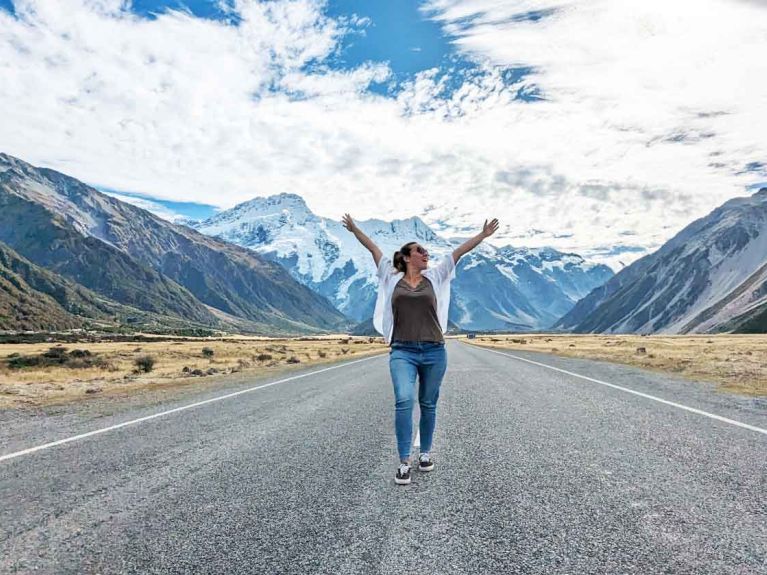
(415, 312)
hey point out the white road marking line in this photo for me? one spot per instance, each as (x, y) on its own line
(639, 393)
(175, 410)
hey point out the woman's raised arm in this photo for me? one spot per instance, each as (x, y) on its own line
(349, 224)
(487, 230)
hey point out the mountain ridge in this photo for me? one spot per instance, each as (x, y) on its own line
(710, 273)
(136, 258)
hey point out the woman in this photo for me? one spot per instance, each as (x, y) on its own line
(411, 313)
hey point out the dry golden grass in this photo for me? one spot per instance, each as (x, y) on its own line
(246, 355)
(737, 363)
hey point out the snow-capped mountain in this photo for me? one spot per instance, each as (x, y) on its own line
(506, 288)
(712, 276)
(137, 260)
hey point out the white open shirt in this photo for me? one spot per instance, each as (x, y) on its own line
(388, 276)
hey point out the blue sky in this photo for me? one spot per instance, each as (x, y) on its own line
(397, 32)
(568, 120)
(168, 209)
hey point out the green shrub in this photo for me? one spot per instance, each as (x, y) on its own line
(293, 359)
(58, 356)
(144, 363)
(22, 361)
(80, 353)
(55, 355)
(207, 352)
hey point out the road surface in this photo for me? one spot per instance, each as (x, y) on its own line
(543, 465)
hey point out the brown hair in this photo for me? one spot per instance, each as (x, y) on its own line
(399, 257)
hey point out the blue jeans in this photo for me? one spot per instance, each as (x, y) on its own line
(408, 360)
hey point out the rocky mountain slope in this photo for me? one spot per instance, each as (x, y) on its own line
(710, 277)
(34, 298)
(132, 257)
(22, 307)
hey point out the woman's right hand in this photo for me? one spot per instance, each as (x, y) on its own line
(348, 223)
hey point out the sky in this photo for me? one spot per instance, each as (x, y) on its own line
(600, 127)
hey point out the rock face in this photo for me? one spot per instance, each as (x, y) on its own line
(132, 257)
(34, 298)
(494, 289)
(22, 307)
(710, 277)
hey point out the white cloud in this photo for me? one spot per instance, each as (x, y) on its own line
(156, 208)
(651, 110)
(649, 95)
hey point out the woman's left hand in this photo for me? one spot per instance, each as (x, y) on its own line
(489, 228)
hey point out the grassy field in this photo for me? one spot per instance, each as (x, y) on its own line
(737, 363)
(47, 373)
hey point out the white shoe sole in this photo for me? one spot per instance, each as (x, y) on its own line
(426, 469)
(399, 481)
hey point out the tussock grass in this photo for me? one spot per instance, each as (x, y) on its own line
(736, 362)
(118, 367)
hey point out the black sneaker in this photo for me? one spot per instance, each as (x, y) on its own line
(403, 474)
(425, 463)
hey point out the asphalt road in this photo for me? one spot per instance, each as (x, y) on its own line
(537, 471)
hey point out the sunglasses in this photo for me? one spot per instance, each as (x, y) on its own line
(422, 251)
